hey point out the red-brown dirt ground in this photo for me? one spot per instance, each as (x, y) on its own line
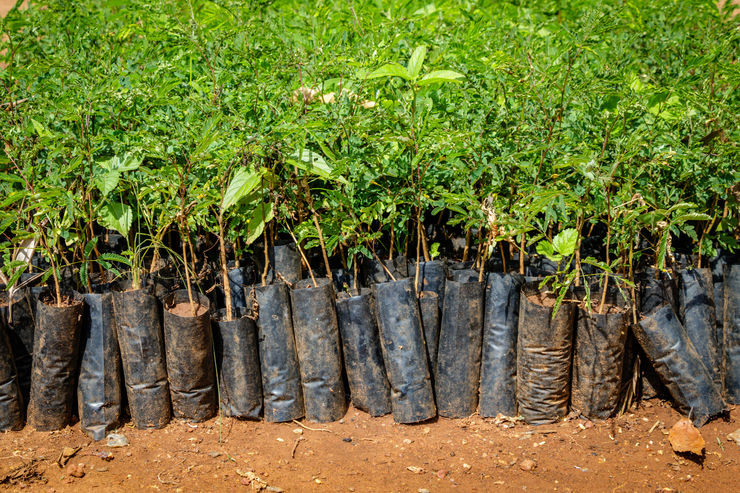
(360, 453)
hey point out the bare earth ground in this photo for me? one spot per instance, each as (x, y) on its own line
(361, 454)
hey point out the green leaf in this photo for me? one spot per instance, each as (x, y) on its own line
(261, 215)
(566, 241)
(545, 248)
(313, 162)
(40, 129)
(114, 257)
(440, 76)
(416, 61)
(89, 247)
(242, 184)
(392, 69)
(116, 216)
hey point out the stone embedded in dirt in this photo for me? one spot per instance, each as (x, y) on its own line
(348, 439)
(734, 436)
(415, 470)
(116, 440)
(407, 441)
(76, 470)
(467, 467)
(441, 473)
(214, 454)
(298, 431)
(527, 465)
(684, 437)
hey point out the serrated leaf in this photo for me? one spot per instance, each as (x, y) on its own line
(392, 69)
(416, 61)
(440, 76)
(116, 216)
(245, 180)
(565, 242)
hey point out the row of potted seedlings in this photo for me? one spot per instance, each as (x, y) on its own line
(452, 343)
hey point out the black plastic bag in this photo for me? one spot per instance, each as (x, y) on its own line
(238, 362)
(459, 353)
(599, 356)
(696, 311)
(99, 391)
(319, 350)
(363, 357)
(285, 264)
(281, 382)
(55, 359)
(140, 339)
(498, 359)
(373, 272)
(432, 277)
(680, 367)
(731, 329)
(190, 368)
(544, 348)
(404, 353)
(430, 320)
(20, 320)
(11, 401)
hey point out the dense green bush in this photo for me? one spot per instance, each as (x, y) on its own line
(615, 120)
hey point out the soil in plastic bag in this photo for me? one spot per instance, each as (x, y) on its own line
(363, 357)
(319, 350)
(430, 320)
(696, 311)
(718, 264)
(544, 347)
(99, 388)
(189, 354)
(498, 359)
(404, 354)
(731, 329)
(11, 401)
(55, 360)
(20, 321)
(343, 280)
(281, 382)
(599, 355)
(679, 365)
(238, 362)
(459, 353)
(141, 342)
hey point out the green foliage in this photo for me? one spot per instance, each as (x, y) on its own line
(565, 116)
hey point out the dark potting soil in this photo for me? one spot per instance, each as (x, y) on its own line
(66, 300)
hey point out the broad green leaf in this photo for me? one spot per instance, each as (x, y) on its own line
(416, 61)
(116, 216)
(392, 69)
(261, 215)
(566, 241)
(440, 76)
(244, 181)
(545, 248)
(40, 129)
(315, 163)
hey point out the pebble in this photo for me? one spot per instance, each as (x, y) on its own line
(408, 441)
(116, 440)
(467, 467)
(527, 465)
(214, 454)
(76, 470)
(422, 490)
(274, 489)
(298, 431)
(348, 439)
(441, 473)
